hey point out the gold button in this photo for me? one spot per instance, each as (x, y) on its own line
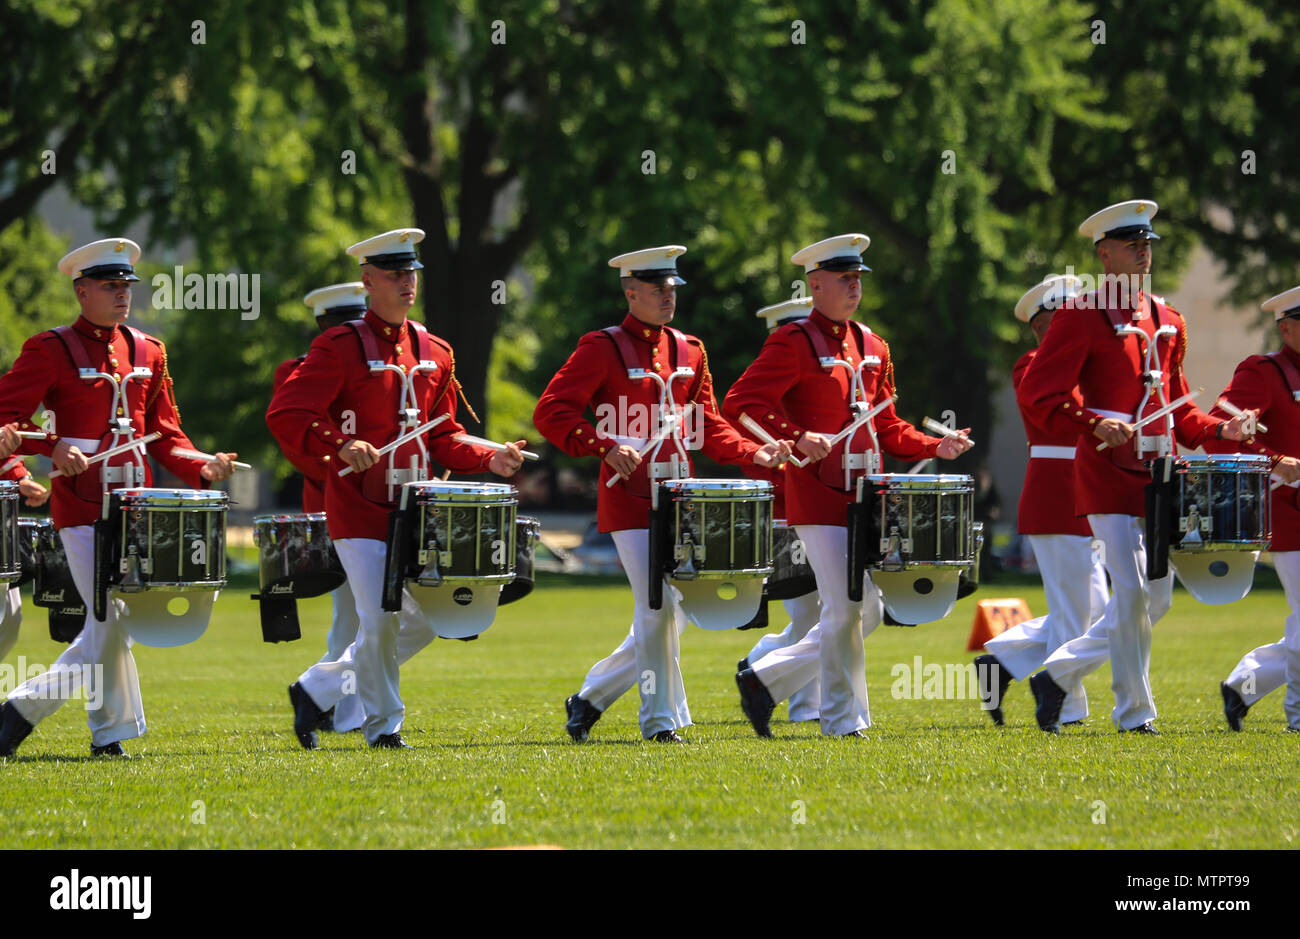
(602, 449)
(783, 426)
(1093, 421)
(325, 458)
(591, 441)
(120, 412)
(658, 367)
(397, 349)
(771, 417)
(315, 423)
(113, 362)
(117, 378)
(1078, 414)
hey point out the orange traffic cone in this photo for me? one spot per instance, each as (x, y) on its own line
(993, 617)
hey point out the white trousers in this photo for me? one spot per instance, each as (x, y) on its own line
(344, 623)
(369, 666)
(11, 617)
(805, 704)
(1074, 602)
(1278, 663)
(832, 650)
(650, 655)
(1135, 606)
(100, 657)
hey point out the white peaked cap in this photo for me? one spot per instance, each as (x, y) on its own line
(840, 253)
(324, 299)
(1284, 304)
(1121, 220)
(106, 259)
(1048, 295)
(654, 265)
(392, 251)
(786, 310)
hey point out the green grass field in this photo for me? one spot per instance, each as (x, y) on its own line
(220, 768)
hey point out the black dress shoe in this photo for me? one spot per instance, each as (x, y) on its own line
(13, 729)
(1049, 697)
(853, 733)
(1234, 708)
(306, 716)
(581, 717)
(668, 736)
(1079, 723)
(391, 742)
(326, 721)
(1148, 728)
(756, 702)
(108, 749)
(987, 669)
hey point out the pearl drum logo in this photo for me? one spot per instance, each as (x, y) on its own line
(463, 595)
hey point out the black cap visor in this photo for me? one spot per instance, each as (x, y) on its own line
(659, 277)
(837, 265)
(402, 261)
(110, 272)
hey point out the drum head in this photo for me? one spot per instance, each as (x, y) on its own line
(457, 611)
(721, 604)
(919, 595)
(165, 618)
(1215, 577)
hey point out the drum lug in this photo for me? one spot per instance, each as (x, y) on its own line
(432, 558)
(686, 555)
(131, 568)
(892, 550)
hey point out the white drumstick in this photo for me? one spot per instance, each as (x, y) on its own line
(189, 454)
(650, 445)
(1156, 415)
(33, 434)
(757, 430)
(114, 451)
(919, 466)
(493, 445)
(943, 431)
(1238, 412)
(388, 448)
(10, 465)
(862, 419)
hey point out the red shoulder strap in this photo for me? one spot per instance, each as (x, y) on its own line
(1290, 374)
(423, 344)
(367, 337)
(626, 351)
(139, 358)
(681, 354)
(72, 342)
(821, 344)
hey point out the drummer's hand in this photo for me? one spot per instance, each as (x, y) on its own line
(359, 455)
(9, 441)
(69, 460)
(214, 471)
(33, 493)
(952, 447)
(623, 460)
(507, 462)
(773, 454)
(814, 446)
(1287, 469)
(1113, 432)
(1234, 429)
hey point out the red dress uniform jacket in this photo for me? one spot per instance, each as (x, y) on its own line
(333, 387)
(788, 392)
(313, 471)
(595, 377)
(1259, 383)
(1082, 349)
(44, 374)
(1047, 499)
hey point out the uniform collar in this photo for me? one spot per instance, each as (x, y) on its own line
(384, 329)
(644, 332)
(829, 326)
(105, 334)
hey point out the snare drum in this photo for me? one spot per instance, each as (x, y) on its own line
(1222, 520)
(721, 543)
(52, 583)
(926, 534)
(527, 531)
(164, 550)
(792, 575)
(295, 556)
(462, 544)
(10, 553)
(29, 533)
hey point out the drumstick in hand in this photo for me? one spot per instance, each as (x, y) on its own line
(755, 428)
(188, 454)
(1238, 412)
(1156, 415)
(114, 451)
(388, 448)
(934, 426)
(493, 445)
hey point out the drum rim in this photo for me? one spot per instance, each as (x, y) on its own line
(1211, 460)
(459, 486)
(718, 485)
(956, 479)
(290, 516)
(214, 497)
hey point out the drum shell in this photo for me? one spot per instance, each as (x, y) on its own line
(527, 530)
(464, 533)
(10, 554)
(721, 528)
(295, 556)
(158, 533)
(52, 585)
(925, 521)
(29, 533)
(792, 574)
(1229, 495)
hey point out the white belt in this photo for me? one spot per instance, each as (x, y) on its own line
(636, 443)
(84, 444)
(1038, 452)
(1114, 415)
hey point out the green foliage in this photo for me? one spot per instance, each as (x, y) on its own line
(33, 296)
